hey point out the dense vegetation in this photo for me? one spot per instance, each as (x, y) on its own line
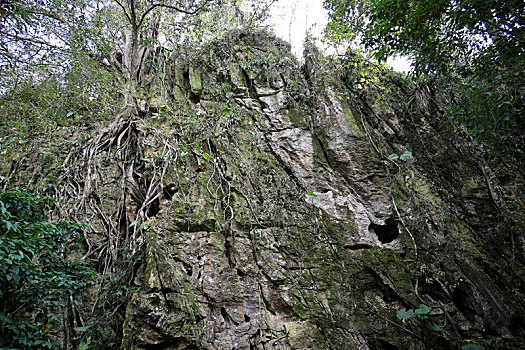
(77, 64)
(41, 282)
(71, 66)
(468, 58)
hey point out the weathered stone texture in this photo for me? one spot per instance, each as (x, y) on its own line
(282, 222)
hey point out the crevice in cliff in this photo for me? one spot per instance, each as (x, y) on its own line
(267, 304)
(385, 233)
(169, 191)
(163, 290)
(358, 246)
(228, 251)
(225, 315)
(251, 88)
(283, 165)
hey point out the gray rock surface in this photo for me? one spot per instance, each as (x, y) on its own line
(271, 208)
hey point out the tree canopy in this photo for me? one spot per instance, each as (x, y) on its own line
(80, 61)
(472, 50)
(437, 34)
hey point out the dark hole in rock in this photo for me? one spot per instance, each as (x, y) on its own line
(240, 273)
(169, 191)
(387, 346)
(154, 208)
(224, 314)
(194, 98)
(170, 343)
(443, 343)
(462, 298)
(370, 278)
(358, 246)
(517, 323)
(246, 318)
(471, 302)
(189, 271)
(387, 232)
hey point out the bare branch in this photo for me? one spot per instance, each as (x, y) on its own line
(123, 9)
(154, 6)
(47, 14)
(34, 41)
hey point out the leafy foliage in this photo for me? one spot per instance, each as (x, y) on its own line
(437, 33)
(471, 51)
(419, 312)
(34, 31)
(404, 313)
(80, 95)
(39, 279)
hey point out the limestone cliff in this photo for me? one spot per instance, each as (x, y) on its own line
(261, 203)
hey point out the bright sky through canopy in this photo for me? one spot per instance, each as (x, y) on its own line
(292, 19)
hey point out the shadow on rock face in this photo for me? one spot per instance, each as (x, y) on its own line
(386, 233)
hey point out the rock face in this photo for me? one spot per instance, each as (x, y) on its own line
(276, 205)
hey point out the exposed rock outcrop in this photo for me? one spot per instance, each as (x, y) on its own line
(277, 205)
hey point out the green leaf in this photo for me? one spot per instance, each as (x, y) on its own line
(404, 313)
(145, 225)
(206, 156)
(472, 347)
(8, 225)
(229, 95)
(133, 223)
(226, 111)
(436, 328)
(406, 154)
(393, 156)
(81, 329)
(311, 194)
(423, 309)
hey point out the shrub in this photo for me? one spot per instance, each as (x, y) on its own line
(40, 281)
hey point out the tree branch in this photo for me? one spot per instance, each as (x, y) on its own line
(123, 9)
(47, 14)
(154, 6)
(133, 14)
(503, 29)
(34, 41)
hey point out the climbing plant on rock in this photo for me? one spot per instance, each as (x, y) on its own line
(470, 50)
